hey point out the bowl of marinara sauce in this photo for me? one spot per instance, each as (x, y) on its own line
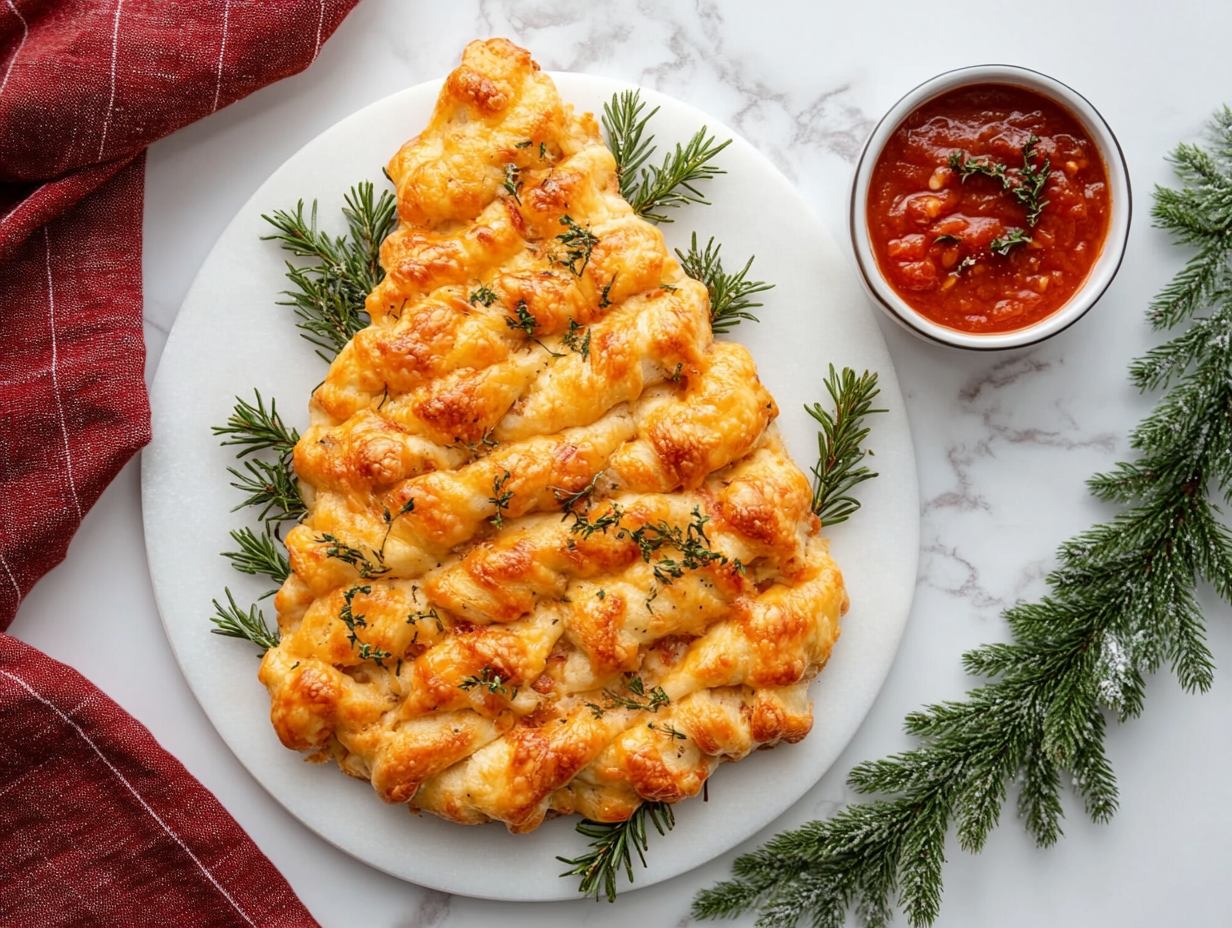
(990, 208)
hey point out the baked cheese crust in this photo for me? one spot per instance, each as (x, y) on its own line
(557, 558)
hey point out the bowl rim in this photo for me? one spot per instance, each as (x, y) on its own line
(1102, 272)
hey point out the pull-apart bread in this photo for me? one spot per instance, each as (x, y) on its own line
(557, 558)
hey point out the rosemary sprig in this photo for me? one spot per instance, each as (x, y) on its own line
(612, 848)
(673, 184)
(624, 124)
(839, 453)
(272, 487)
(234, 622)
(259, 554)
(1122, 603)
(255, 428)
(329, 296)
(729, 293)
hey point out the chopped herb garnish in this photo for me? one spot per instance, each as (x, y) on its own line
(1003, 246)
(574, 342)
(488, 679)
(500, 499)
(483, 295)
(341, 551)
(578, 243)
(512, 184)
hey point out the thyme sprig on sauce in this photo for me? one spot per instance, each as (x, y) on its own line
(1026, 186)
(1003, 246)
(500, 499)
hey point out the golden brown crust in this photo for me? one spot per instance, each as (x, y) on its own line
(449, 632)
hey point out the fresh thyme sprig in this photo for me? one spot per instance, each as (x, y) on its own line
(329, 295)
(612, 848)
(234, 622)
(839, 453)
(487, 679)
(691, 542)
(1027, 187)
(653, 701)
(1122, 604)
(575, 341)
(259, 554)
(500, 499)
(729, 293)
(673, 184)
(578, 242)
(339, 550)
(1003, 246)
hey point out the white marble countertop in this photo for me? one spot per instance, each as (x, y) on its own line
(1004, 442)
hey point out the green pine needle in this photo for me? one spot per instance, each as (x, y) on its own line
(234, 622)
(729, 293)
(329, 296)
(1122, 605)
(613, 846)
(839, 454)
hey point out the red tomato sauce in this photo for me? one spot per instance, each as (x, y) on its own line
(934, 232)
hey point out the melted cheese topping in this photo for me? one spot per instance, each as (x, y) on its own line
(556, 559)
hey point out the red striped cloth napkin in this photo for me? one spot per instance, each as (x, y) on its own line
(99, 825)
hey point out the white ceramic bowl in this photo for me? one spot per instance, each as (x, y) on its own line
(1102, 272)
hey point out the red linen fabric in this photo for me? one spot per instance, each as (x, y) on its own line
(98, 825)
(137, 841)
